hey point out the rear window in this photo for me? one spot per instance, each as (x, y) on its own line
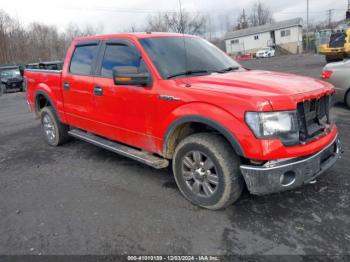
(82, 59)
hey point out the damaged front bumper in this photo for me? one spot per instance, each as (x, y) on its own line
(276, 176)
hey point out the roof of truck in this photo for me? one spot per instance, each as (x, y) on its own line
(131, 35)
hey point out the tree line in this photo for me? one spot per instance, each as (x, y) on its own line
(197, 23)
(36, 42)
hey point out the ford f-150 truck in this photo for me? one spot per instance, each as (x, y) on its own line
(162, 98)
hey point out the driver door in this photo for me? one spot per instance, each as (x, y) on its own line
(126, 112)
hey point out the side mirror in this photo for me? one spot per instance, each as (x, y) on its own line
(129, 75)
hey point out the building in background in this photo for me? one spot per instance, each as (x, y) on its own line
(284, 35)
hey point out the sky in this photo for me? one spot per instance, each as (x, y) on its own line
(119, 15)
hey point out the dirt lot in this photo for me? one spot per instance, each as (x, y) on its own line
(80, 199)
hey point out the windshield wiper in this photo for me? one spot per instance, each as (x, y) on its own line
(189, 72)
(231, 68)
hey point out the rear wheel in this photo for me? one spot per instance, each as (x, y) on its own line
(206, 170)
(54, 131)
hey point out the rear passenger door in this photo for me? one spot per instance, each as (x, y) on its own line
(126, 111)
(78, 85)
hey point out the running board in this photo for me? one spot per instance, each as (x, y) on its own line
(138, 155)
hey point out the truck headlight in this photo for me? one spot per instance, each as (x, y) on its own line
(283, 125)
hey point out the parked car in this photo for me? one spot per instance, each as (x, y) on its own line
(11, 79)
(152, 98)
(265, 52)
(339, 75)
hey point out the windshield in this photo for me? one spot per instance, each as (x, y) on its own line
(169, 56)
(10, 73)
(337, 39)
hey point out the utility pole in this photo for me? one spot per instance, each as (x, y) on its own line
(330, 11)
(307, 25)
(210, 28)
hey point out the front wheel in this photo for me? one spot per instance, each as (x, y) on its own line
(206, 170)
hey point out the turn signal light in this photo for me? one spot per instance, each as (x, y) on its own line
(326, 74)
(122, 79)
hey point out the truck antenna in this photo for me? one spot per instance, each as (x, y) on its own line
(184, 41)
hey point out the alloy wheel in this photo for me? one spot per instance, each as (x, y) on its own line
(200, 174)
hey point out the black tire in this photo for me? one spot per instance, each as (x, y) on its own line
(330, 59)
(347, 99)
(23, 88)
(226, 163)
(60, 130)
(2, 89)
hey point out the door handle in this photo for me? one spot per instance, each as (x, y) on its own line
(98, 91)
(66, 86)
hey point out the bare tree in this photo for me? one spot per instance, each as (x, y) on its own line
(36, 42)
(242, 21)
(157, 23)
(179, 22)
(260, 14)
(187, 23)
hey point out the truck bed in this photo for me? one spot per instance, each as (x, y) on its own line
(40, 81)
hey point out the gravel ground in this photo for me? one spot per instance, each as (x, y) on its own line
(80, 199)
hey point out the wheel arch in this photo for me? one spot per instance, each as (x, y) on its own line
(347, 93)
(41, 100)
(179, 129)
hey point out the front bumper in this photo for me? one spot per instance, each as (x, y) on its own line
(13, 86)
(277, 176)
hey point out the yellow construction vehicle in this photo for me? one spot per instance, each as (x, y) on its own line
(338, 47)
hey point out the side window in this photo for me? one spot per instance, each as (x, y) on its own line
(120, 55)
(285, 33)
(82, 59)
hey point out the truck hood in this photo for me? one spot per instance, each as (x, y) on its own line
(274, 87)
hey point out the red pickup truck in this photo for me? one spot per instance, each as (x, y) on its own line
(163, 98)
